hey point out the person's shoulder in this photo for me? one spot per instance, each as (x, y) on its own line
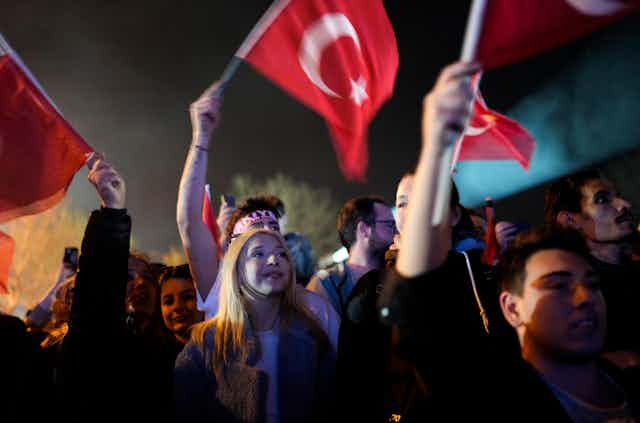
(317, 305)
(310, 298)
(11, 324)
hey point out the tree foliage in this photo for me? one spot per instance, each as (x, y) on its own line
(311, 211)
(39, 247)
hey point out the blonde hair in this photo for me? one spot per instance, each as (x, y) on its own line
(233, 337)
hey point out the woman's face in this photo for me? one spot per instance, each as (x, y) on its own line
(178, 304)
(264, 266)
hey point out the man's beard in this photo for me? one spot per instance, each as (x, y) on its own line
(378, 250)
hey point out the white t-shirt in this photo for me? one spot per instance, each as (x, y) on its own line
(321, 308)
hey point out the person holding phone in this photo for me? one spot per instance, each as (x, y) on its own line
(40, 315)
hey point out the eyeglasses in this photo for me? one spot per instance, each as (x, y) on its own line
(389, 224)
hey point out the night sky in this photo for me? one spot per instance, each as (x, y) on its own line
(124, 74)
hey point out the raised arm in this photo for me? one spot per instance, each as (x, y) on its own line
(198, 243)
(100, 286)
(445, 111)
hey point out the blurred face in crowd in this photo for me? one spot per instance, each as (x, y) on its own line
(561, 312)
(264, 266)
(383, 229)
(402, 201)
(142, 294)
(605, 216)
(178, 304)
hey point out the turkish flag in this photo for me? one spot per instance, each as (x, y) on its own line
(492, 136)
(208, 217)
(39, 151)
(6, 257)
(339, 57)
(515, 30)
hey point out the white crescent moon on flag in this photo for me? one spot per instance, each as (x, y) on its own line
(322, 33)
(597, 7)
(474, 130)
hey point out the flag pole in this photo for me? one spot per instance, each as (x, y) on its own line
(469, 47)
(5, 48)
(256, 33)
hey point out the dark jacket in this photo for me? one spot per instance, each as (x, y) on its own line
(440, 332)
(306, 386)
(23, 373)
(104, 369)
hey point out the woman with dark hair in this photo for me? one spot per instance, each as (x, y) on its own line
(262, 357)
(178, 305)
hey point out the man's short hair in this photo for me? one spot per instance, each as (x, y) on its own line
(565, 194)
(512, 267)
(359, 209)
(251, 204)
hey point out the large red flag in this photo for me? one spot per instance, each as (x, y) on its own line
(492, 136)
(39, 151)
(515, 30)
(6, 257)
(339, 57)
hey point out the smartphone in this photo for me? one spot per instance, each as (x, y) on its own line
(228, 199)
(71, 257)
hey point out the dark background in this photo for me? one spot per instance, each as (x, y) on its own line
(125, 72)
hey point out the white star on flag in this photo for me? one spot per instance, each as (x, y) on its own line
(358, 90)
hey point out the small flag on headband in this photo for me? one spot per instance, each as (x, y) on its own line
(338, 57)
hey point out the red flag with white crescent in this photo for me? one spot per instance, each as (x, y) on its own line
(338, 57)
(492, 136)
(515, 30)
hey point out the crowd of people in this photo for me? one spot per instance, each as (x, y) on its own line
(414, 325)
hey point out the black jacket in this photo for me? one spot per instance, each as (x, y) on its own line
(105, 370)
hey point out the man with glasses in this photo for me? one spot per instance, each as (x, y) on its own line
(366, 228)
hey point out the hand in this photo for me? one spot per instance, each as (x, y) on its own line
(447, 107)
(205, 115)
(224, 215)
(107, 181)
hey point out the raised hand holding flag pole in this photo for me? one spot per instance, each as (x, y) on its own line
(470, 44)
(39, 151)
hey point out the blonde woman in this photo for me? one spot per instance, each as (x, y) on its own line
(262, 357)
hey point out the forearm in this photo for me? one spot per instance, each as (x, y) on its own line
(190, 194)
(197, 241)
(42, 311)
(425, 245)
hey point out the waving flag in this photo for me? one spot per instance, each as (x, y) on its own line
(492, 136)
(515, 30)
(39, 151)
(338, 57)
(580, 112)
